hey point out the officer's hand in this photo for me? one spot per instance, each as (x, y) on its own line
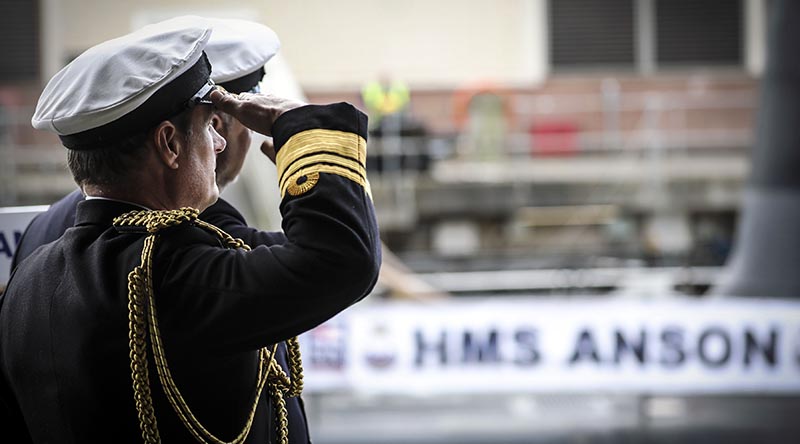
(268, 148)
(256, 111)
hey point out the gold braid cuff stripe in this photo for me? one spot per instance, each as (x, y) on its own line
(311, 141)
(143, 320)
(304, 152)
(323, 157)
(322, 168)
(330, 159)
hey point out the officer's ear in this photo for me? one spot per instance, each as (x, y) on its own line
(168, 142)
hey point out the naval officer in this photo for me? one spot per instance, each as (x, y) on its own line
(143, 322)
(238, 51)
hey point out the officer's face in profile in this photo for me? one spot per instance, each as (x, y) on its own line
(237, 136)
(198, 176)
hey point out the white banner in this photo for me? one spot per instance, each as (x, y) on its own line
(13, 221)
(559, 345)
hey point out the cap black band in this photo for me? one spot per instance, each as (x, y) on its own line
(166, 102)
(244, 83)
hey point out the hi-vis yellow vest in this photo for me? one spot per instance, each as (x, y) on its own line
(382, 101)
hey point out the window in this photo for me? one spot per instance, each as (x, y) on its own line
(587, 33)
(19, 40)
(698, 32)
(645, 34)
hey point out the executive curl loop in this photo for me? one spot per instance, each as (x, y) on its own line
(143, 321)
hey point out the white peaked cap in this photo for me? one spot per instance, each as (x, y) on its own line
(238, 48)
(111, 80)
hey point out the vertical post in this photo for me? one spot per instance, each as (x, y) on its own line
(645, 19)
(610, 90)
(767, 251)
(755, 36)
(535, 38)
(51, 41)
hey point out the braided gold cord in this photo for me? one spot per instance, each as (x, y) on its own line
(173, 394)
(138, 356)
(157, 220)
(282, 415)
(230, 241)
(141, 297)
(295, 367)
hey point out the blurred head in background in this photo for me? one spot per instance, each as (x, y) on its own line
(237, 50)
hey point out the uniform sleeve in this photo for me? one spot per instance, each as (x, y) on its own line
(228, 300)
(223, 215)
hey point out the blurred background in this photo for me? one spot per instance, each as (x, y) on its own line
(558, 185)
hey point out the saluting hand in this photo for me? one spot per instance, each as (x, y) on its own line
(256, 111)
(268, 148)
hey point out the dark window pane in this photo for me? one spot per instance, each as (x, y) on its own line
(699, 32)
(587, 33)
(19, 40)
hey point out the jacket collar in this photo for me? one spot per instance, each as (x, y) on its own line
(101, 211)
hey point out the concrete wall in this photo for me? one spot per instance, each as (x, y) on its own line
(429, 44)
(340, 45)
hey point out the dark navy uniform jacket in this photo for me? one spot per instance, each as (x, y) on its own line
(51, 225)
(64, 319)
(48, 226)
